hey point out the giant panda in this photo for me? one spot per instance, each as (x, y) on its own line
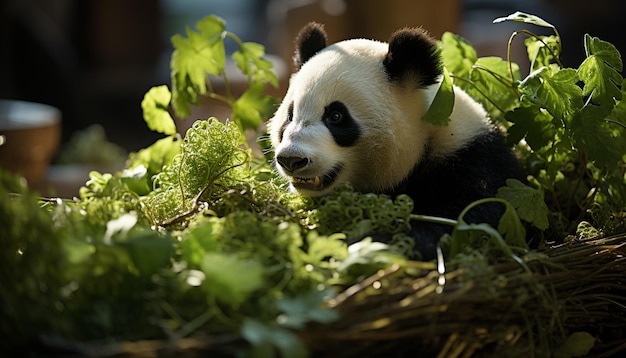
(353, 113)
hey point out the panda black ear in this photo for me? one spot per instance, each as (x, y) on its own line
(311, 40)
(413, 54)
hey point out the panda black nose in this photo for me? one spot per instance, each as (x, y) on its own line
(292, 163)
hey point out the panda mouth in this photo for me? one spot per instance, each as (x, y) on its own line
(317, 183)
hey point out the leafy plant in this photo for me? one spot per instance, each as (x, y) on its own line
(567, 123)
(197, 237)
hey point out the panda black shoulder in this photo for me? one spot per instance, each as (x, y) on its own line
(445, 186)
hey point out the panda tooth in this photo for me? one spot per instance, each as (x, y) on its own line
(317, 181)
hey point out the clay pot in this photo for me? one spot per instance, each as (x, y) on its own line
(29, 137)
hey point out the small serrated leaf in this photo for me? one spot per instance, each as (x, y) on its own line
(557, 92)
(527, 201)
(155, 105)
(600, 73)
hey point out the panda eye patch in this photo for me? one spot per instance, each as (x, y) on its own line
(290, 113)
(342, 126)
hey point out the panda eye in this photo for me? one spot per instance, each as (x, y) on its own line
(334, 117)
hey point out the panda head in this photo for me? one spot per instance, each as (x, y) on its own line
(353, 111)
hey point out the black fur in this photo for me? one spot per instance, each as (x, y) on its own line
(413, 55)
(311, 40)
(344, 129)
(444, 187)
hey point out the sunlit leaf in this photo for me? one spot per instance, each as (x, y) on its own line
(600, 73)
(458, 55)
(439, 112)
(519, 16)
(155, 106)
(557, 92)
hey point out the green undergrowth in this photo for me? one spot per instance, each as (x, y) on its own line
(198, 237)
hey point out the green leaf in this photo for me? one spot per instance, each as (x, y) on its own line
(528, 202)
(264, 339)
(367, 256)
(199, 54)
(250, 110)
(458, 55)
(542, 50)
(557, 92)
(533, 124)
(578, 344)
(231, 280)
(600, 73)
(249, 59)
(493, 85)
(619, 111)
(591, 134)
(304, 308)
(149, 251)
(519, 16)
(511, 228)
(155, 106)
(439, 112)
(156, 156)
(200, 238)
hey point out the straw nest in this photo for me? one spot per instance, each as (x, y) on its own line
(574, 290)
(557, 301)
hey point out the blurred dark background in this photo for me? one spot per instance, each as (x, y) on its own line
(95, 59)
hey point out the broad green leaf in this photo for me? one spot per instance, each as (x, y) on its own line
(591, 134)
(465, 236)
(557, 92)
(196, 56)
(600, 73)
(156, 156)
(149, 250)
(155, 106)
(493, 85)
(252, 107)
(231, 280)
(458, 55)
(367, 256)
(249, 59)
(542, 50)
(511, 228)
(519, 16)
(269, 341)
(304, 308)
(578, 344)
(323, 247)
(619, 111)
(439, 112)
(531, 123)
(200, 237)
(527, 201)
(211, 26)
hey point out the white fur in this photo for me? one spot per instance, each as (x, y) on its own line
(393, 134)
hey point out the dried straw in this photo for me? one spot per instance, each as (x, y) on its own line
(479, 309)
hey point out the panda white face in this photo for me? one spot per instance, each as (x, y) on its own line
(353, 112)
(336, 123)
